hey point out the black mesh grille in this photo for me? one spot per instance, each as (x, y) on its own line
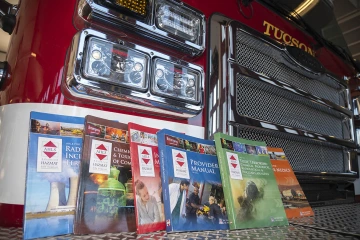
(266, 102)
(259, 57)
(304, 154)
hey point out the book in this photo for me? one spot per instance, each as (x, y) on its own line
(292, 195)
(145, 163)
(191, 183)
(251, 192)
(105, 197)
(54, 150)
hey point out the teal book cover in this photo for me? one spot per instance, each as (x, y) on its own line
(251, 192)
(54, 153)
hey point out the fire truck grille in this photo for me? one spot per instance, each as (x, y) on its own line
(261, 57)
(305, 155)
(263, 101)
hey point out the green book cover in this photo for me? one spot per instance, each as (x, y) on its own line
(251, 193)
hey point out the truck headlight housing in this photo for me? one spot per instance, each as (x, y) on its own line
(115, 64)
(172, 23)
(176, 81)
(108, 71)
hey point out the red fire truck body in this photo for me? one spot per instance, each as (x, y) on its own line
(51, 37)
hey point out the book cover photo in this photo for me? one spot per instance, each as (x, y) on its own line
(250, 188)
(52, 174)
(292, 195)
(191, 183)
(105, 197)
(149, 206)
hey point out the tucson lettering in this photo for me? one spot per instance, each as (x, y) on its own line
(286, 38)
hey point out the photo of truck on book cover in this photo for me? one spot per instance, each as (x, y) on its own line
(292, 195)
(149, 204)
(191, 182)
(55, 143)
(250, 188)
(105, 197)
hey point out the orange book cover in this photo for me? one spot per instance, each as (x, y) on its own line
(292, 195)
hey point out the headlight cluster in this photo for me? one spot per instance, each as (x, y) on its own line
(107, 70)
(116, 64)
(171, 22)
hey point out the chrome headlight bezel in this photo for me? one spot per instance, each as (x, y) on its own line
(80, 85)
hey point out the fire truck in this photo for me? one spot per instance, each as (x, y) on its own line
(255, 69)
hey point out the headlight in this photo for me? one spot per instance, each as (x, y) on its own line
(176, 81)
(115, 64)
(178, 21)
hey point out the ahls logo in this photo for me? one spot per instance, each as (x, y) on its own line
(50, 149)
(234, 165)
(49, 157)
(101, 152)
(180, 163)
(146, 161)
(100, 158)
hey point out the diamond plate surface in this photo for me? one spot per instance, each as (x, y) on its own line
(344, 219)
(330, 222)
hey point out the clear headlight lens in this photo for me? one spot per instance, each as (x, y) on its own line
(176, 81)
(115, 64)
(178, 21)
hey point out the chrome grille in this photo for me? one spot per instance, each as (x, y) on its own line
(304, 154)
(261, 57)
(263, 101)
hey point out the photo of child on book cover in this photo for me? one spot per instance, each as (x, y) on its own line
(149, 203)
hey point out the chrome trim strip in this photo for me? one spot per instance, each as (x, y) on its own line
(281, 55)
(249, 73)
(328, 174)
(146, 27)
(243, 120)
(76, 86)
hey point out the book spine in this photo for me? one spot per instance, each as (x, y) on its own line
(164, 180)
(83, 168)
(225, 175)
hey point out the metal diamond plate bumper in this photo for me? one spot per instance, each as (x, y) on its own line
(330, 222)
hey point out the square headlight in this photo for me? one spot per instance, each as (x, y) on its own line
(115, 64)
(176, 81)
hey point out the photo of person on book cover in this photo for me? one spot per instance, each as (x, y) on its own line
(177, 193)
(45, 127)
(250, 149)
(147, 205)
(204, 204)
(239, 147)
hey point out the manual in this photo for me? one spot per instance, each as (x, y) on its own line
(149, 207)
(54, 153)
(191, 183)
(251, 192)
(292, 195)
(105, 197)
